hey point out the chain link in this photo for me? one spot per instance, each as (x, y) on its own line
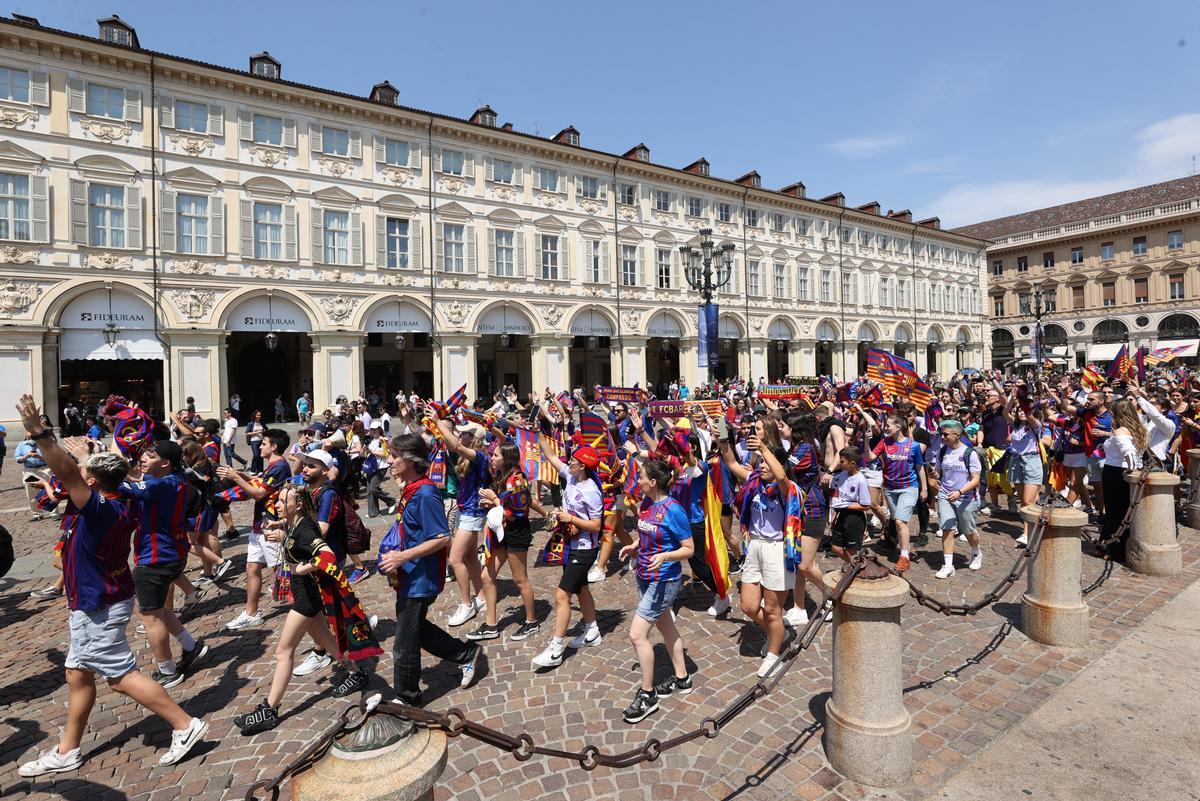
(523, 747)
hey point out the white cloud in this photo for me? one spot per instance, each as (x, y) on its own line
(1158, 152)
(865, 147)
(936, 166)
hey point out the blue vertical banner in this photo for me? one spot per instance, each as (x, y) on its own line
(707, 327)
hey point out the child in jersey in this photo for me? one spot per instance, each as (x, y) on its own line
(849, 502)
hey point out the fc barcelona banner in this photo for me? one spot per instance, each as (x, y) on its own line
(684, 408)
(781, 392)
(707, 326)
(619, 394)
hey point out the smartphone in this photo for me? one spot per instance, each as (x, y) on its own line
(722, 428)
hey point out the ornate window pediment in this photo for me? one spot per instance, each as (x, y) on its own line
(15, 156)
(453, 211)
(268, 188)
(191, 178)
(399, 203)
(505, 217)
(105, 168)
(335, 196)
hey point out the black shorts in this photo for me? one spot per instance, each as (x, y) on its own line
(849, 528)
(306, 595)
(518, 535)
(574, 575)
(152, 584)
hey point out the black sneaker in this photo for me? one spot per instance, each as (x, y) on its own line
(486, 631)
(222, 569)
(167, 680)
(263, 718)
(921, 540)
(188, 658)
(527, 630)
(231, 534)
(735, 566)
(674, 685)
(352, 682)
(644, 704)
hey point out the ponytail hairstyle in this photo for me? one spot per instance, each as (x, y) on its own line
(660, 473)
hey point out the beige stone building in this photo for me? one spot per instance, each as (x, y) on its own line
(171, 228)
(1115, 269)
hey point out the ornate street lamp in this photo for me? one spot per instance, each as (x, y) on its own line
(111, 332)
(698, 266)
(271, 339)
(1037, 332)
(398, 341)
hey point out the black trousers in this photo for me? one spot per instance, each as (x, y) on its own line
(1116, 504)
(697, 562)
(415, 633)
(375, 494)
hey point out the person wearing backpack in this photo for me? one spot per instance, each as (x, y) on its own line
(958, 469)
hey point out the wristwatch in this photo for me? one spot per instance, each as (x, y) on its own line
(45, 433)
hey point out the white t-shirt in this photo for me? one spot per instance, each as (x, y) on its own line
(849, 489)
(231, 425)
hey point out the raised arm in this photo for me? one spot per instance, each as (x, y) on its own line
(56, 457)
(452, 441)
(739, 470)
(549, 455)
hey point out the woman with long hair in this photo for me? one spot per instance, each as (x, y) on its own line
(471, 469)
(579, 523)
(664, 541)
(202, 517)
(903, 478)
(804, 468)
(1122, 451)
(254, 436)
(323, 606)
(509, 535)
(1024, 455)
(769, 506)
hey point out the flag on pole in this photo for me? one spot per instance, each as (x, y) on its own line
(1121, 365)
(1165, 354)
(1139, 362)
(715, 552)
(452, 404)
(1091, 378)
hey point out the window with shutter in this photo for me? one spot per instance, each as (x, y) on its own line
(564, 250)
(168, 240)
(629, 265)
(289, 232)
(268, 231)
(105, 101)
(15, 212)
(216, 226)
(14, 84)
(133, 105)
(216, 119)
(416, 248)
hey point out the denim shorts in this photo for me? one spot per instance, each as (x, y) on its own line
(657, 597)
(958, 514)
(1025, 468)
(901, 502)
(471, 522)
(98, 641)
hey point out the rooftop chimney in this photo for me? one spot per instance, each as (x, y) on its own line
(836, 199)
(903, 216)
(870, 208)
(568, 136)
(795, 190)
(506, 126)
(932, 222)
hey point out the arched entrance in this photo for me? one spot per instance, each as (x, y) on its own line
(1003, 347)
(827, 335)
(866, 340)
(398, 354)
(1110, 331)
(779, 339)
(1178, 326)
(590, 354)
(933, 345)
(107, 346)
(729, 344)
(903, 340)
(662, 350)
(269, 353)
(962, 341)
(503, 356)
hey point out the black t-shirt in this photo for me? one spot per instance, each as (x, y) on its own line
(300, 546)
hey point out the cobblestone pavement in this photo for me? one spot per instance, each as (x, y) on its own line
(968, 681)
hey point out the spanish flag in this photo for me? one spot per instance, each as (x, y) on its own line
(716, 553)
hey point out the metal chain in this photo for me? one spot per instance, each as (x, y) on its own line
(1135, 497)
(454, 722)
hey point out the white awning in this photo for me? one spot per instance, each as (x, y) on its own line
(1104, 352)
(80, 344)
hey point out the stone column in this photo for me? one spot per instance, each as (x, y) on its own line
(549, 357)
(688, 364)
(1153, 547)
(757, 348)
(404, 769)
(742, 349)
(1052, 608)
(1193, 511)
(802, 360)
(868, 732)
(337, 366)
(632, 359)
(458, 364)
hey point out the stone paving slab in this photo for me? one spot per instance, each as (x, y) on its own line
(969, 681)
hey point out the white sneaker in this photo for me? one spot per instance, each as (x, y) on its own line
(985, 510)
(946, 572)
(1022, 542)
(769, 663)
(373, 620)
(796, 617)
(183, 741)
(976, 561)
(312, 663)
(52, 762)
(463, 613)
(595, 576)
(719, 607)
(589, 637)
(549, 657)
(962, 538)
(244, 621)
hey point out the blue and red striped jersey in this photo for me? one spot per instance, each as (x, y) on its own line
(661, 527)
(95, 554)
(160, 506)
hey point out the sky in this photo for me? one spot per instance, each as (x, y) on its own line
(962, 110)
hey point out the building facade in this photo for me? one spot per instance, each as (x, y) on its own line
(173, 229)
(1111, 270)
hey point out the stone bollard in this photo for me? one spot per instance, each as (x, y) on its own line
(1052, 608)
(1153, 547)
(384, 760)
(1193, 510)
(868, 732)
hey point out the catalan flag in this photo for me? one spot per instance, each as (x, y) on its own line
(716, 553)
(1092, 378)
(1139, 363)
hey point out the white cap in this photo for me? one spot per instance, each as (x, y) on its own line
(376, 424)
(320, 456)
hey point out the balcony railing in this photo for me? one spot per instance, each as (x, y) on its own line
(1162, 210)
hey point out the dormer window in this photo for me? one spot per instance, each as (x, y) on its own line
(264, 65)
(573, 138)
(487, 118)
(703, 168)
(641, 154)
(115, 30)
(385, 93)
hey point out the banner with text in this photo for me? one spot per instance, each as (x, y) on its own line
(685, 408)
(707, 327)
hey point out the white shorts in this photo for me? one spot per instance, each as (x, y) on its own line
(1075, 459)
(874, 477)
(262, 551)
(764, 565)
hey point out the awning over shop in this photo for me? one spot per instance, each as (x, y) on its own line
(90, 345)
(1103, 351)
